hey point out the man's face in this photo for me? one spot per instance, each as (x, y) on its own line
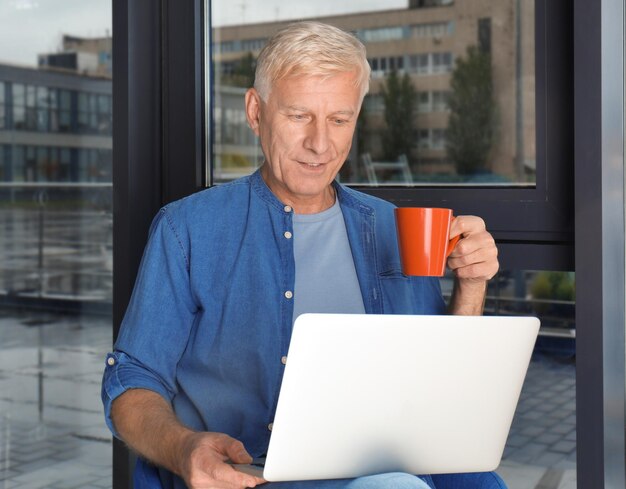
(305, 129)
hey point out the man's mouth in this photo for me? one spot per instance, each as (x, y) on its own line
(311, 165)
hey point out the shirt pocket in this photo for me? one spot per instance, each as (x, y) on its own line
(409, 295)
(396, 291)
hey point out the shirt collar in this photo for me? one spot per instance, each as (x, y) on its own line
(346, 196)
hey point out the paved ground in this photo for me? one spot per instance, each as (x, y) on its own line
(52, 433)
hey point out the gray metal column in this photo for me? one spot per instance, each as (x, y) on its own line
(613, 240)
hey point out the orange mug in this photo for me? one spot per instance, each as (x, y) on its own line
(424, 239)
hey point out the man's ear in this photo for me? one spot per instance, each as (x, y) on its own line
(253, 109)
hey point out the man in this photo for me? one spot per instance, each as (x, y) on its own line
(194, 378)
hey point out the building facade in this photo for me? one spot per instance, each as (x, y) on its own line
(55, 126)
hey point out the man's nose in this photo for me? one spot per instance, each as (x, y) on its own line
(317, 139)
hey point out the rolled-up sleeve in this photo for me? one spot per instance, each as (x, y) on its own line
(158, 320)
(123, 372)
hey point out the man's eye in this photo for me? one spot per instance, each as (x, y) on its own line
(298, 117)
(341, 122)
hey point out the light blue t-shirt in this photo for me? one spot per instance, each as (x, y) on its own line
(326, 279)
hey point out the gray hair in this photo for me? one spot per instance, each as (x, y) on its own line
(310, 48)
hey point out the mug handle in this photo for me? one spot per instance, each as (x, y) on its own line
(452, 243)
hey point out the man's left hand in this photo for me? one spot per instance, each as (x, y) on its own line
(475, 256)
(474, 261)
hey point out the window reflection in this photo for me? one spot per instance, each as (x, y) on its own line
(466, 63)
(55, 244)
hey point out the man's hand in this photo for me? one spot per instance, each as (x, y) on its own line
(474, 261)
(206, 455)
(147, 423)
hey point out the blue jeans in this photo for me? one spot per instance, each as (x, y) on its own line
(146, 476)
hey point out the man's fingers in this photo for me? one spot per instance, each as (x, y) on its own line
(207, 463)
(219, 475)
(466, 225)
(225, 473)
(481, 264)
(236, 452)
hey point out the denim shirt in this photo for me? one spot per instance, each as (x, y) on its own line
(210, 316)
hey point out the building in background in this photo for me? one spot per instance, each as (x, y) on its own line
(55, 177)
(426, 41)
(85, 55)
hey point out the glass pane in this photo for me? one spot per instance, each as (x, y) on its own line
(542, 440)
(55, 247)
(479, 54)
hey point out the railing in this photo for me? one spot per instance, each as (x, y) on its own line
(56, 241)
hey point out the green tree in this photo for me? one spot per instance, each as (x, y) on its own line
(243, 73)
(471, 129)
(399, 96)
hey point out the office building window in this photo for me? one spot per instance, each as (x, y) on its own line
(441, 62)
(423, 102)
(94, 113)
(435, 101)
(438, 140)
(251, 45)
(434, 30)
(19, 106)
(43, 108)
(382, 34)
(65, 110)
(440, 101)
(383, 65)
(484, 35)
(419, 63)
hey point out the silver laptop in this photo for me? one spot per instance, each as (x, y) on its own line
(365, 394)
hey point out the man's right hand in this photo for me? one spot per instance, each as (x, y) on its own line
(147, 423)
(205, 466)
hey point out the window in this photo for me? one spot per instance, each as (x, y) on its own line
(435, 101)
(437, 72)
(94, 113)
(250, 45)
(55, 244)
(440, 101)
(441, 62)
(435, 30)
(43, 105)
(438, 139)
(65, 111)
(484, 35)
(19, 106)
(381, 34)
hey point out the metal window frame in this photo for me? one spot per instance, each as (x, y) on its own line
(600, 244)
